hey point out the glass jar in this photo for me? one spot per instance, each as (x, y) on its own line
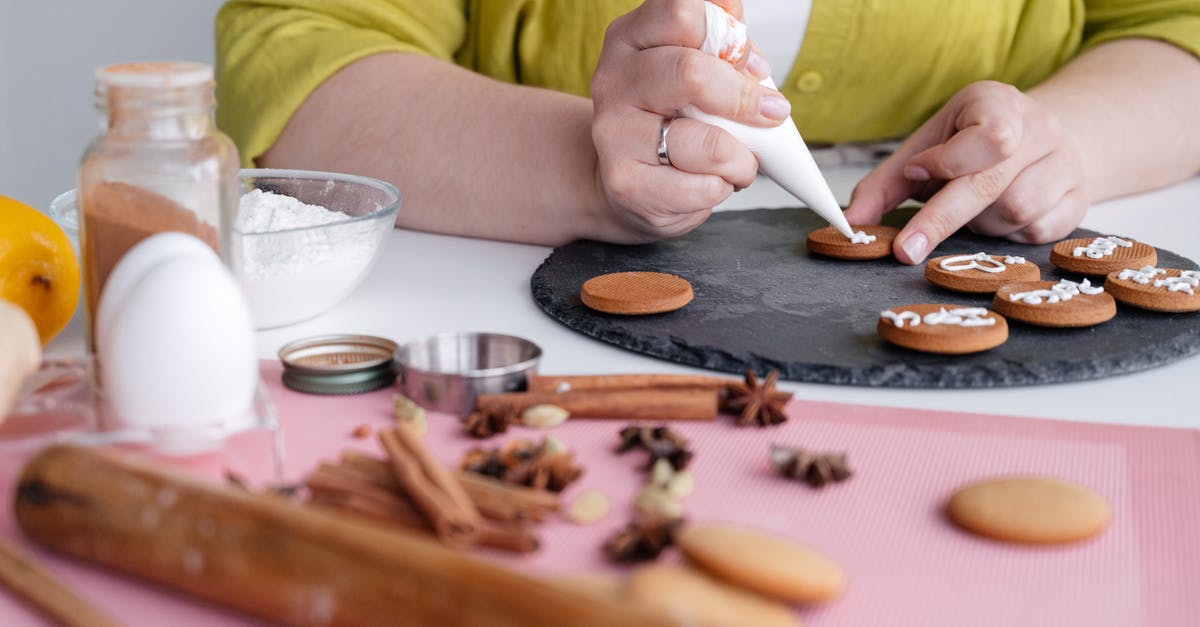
(159, 164)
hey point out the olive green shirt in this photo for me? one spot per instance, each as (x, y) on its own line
(867, 70)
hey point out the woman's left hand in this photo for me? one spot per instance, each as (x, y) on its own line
(992, 159)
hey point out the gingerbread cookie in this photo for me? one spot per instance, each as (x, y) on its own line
(691, 597)
(945, 329)
(1097, 256)
(1157, 289)
(636, 293)
(1029, 510)
(869, 242)
(979, 273)
(1055, 304)
(763, 563)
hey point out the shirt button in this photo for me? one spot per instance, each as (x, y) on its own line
(809, 81)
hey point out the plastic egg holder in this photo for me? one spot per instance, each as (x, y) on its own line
(292, 274)
(175, 359)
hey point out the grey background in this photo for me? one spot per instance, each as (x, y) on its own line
(48, 50)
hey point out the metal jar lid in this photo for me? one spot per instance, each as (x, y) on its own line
(339, 364)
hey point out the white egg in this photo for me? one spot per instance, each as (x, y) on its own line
(177, 352)
(139, 260)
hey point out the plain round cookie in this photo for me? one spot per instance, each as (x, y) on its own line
(694, 598)
(1029, 510)
(1149, 296)
(831, 243)
(1082, 310)
(764, 563)
(940, 338)
(636, 293)
(975, 281)
(1063, 256)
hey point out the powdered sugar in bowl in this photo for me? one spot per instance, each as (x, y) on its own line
(303, 240)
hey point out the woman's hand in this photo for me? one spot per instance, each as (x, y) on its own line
(649, 69)
(992, 159)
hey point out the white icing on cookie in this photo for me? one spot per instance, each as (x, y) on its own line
(899, 318)
(965, 317)
(1061, 292)
(1143, 276)
(1185, 282)
(861, 237)
(1101, 247)
(979, 261)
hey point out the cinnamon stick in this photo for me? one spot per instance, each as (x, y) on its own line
(667, 404)
(42, 590)
(583, 383)
(494, 499)
(453, 517)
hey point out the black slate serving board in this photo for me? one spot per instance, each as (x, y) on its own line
(762, 301)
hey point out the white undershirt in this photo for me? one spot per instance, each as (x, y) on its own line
(777, 28)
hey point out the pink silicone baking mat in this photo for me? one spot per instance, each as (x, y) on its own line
(906, 564)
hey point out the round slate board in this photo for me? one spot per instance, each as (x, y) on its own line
(762, 301)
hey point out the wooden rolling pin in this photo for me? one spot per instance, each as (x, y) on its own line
(277, 559)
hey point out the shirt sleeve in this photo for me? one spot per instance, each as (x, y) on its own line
(271, 54)
(1176, 22)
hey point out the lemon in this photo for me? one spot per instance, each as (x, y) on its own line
(38, 268)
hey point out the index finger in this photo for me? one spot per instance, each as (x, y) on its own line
(950, 209)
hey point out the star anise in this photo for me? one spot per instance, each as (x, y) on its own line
(660, 442)
(815, 469)
(642, 540)
(486, 423)
(545, 466)
(757, 402)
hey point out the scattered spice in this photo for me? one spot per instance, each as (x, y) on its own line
(544, 416)
(588, 507)
(815, 469)
(660, 442)
(361, 432)
(434, 492)
(484, 423)
(757, 402)
(642, 539)
(663, 494)
(546, 465)
(405, 410)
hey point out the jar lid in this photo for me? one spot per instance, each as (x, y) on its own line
(339, 364)
(155, 74)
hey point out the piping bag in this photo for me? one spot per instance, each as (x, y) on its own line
(782, 153)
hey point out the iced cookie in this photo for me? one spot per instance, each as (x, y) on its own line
(691, 597)
(766, 564)
(1156, 289)
(1029, 510)
(946, 329)
(1097, 256)
(869, 242)
(979, 273)
(1055, 304)
(636, 293)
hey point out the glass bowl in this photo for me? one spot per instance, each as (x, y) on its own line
(291, 273)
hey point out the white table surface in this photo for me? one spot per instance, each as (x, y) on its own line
(425, 284)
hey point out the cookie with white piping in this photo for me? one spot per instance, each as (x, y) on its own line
(1158, 289)
(871, 241)
(1062, 303)
(944, 329)
(1097, 256)
(979, 273)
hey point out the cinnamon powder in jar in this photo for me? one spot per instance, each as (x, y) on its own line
(116, 216)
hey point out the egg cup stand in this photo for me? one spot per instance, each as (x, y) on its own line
(61, 404)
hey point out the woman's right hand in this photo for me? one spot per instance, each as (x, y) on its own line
(649, 69)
